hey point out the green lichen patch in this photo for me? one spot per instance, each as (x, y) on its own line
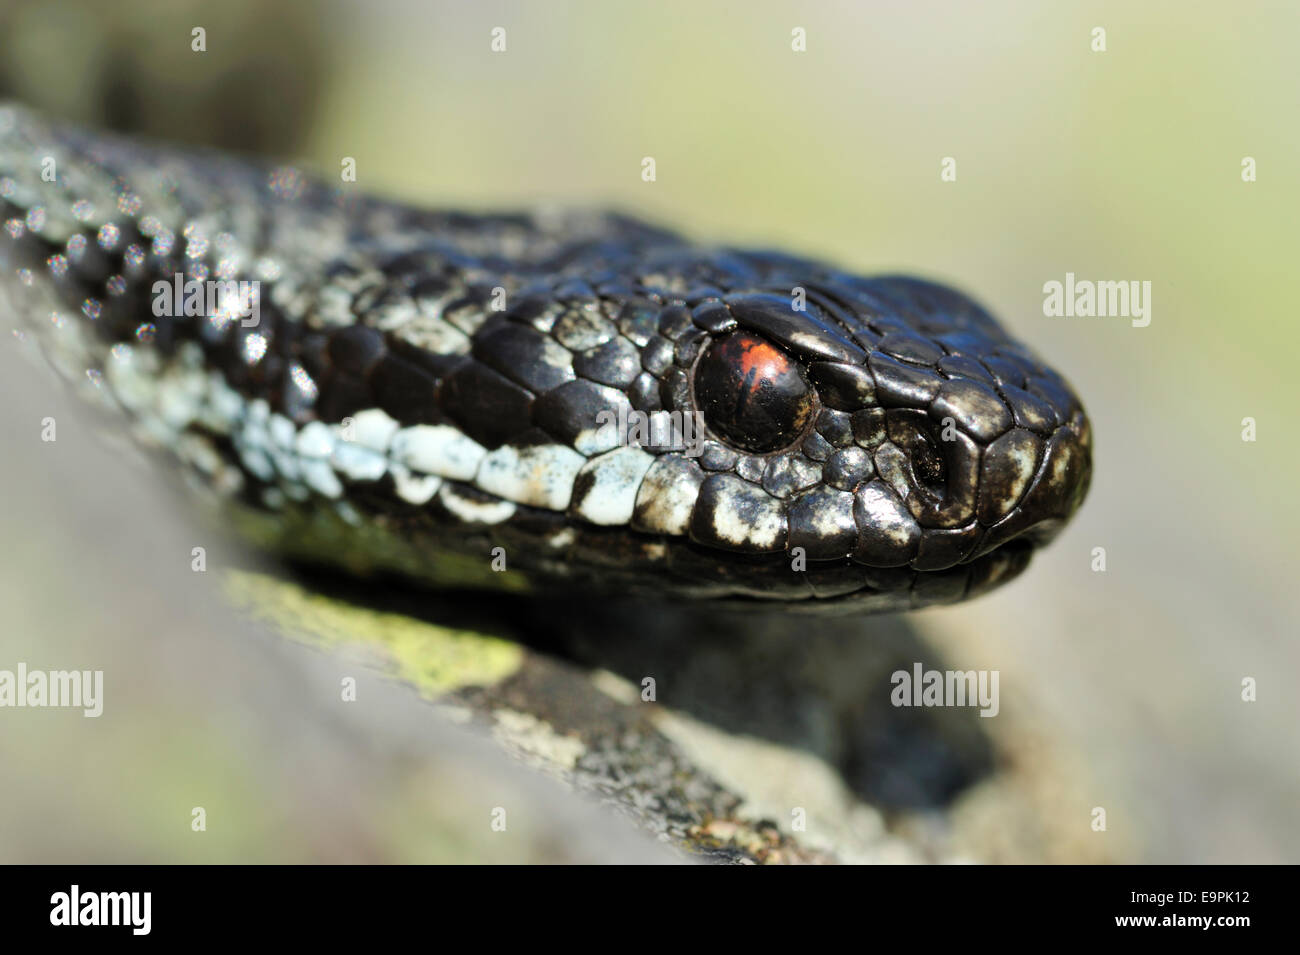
(436, 660)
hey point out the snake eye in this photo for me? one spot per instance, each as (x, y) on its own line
(752, 394)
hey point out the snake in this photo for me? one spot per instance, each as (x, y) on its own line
(556, 401)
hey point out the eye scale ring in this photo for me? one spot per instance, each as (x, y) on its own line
(753, 395)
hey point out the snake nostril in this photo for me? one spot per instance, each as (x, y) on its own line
(928, 467)
(926, 457)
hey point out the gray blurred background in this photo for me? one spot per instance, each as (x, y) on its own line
(1117, 165)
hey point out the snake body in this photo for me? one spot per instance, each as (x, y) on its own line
(478, 399)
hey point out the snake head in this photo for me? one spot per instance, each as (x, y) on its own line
(881, 423)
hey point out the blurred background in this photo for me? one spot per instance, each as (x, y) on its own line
(1117, 165)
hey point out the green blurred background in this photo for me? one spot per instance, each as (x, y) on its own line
(1122, 165)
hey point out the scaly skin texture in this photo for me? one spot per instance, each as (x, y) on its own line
(430, 393)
